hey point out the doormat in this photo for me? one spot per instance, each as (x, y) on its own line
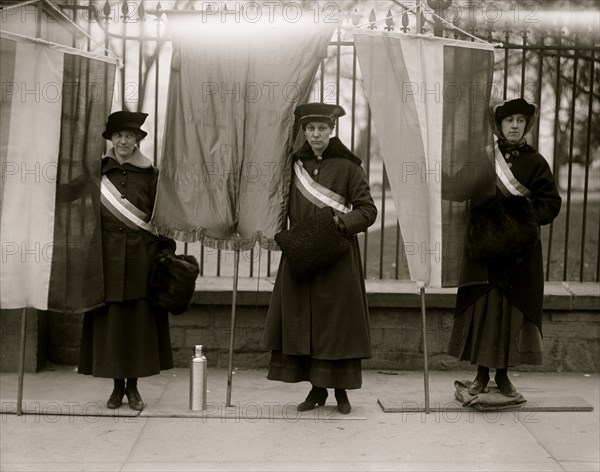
(533, 404)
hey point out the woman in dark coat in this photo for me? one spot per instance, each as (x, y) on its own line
(128, 337)
(318, 327)
(498, 314)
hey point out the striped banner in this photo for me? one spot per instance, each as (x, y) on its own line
(122, 209)
(428, 98)
(316, 193)
(506, 181)
(52, 107)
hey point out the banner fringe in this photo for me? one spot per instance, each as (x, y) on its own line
(223, 244)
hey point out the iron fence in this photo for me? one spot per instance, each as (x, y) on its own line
(542, 64)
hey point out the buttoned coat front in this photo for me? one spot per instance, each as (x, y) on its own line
(128, 253)
(325, 316)
(521, 275)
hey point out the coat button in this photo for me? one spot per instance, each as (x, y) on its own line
(122, 184)
(120, 228)
(122, 196)
(315, 172)
(124, 173)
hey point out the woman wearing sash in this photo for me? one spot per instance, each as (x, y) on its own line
(128, 337)
(498, 313)
(318, 328)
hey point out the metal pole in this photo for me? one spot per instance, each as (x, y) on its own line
(425, 357)
(21, 363)
(236, 267)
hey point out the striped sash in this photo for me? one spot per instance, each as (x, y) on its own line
(505, 179)
(123, 209)
(316, 193)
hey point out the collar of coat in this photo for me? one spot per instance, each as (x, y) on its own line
(335, 149)
(137, 162)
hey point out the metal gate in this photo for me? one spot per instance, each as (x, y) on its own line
(540, 64)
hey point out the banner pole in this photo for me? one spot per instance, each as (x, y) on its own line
(22, 363)
(425, 357)
(236, 267)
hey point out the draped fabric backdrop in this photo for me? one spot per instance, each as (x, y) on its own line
(428, 98)
(53, 107)
(225, 169)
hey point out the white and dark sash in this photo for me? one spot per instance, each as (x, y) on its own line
(316, 193)
(505, 179)
(122, 209)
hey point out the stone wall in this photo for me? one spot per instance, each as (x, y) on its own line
(571, 327)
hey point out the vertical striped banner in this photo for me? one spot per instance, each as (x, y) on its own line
(29, 163)
(52, 105)
(428, 103)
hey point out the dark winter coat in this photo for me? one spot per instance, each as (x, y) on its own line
(128, 254)
(521, 274)
(325, 316)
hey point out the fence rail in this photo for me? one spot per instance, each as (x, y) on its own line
(544, 65)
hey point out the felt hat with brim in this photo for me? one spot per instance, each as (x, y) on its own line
(125, 120)
(512, 107)
(322, 112)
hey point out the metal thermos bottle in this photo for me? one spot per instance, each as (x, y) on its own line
(198, 380)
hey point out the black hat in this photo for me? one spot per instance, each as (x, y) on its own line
(121, 120)
(519, 105)
(318, 112)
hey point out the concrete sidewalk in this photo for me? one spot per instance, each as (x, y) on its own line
(68, 427)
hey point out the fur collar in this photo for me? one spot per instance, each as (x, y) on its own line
(335, 149)
(137, 159)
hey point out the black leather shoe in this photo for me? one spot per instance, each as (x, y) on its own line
(505, 386)
(478, 386)
(134, 398)
(116, 399)
(316, 396)
(344, 406)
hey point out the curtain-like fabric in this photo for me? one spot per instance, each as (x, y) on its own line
(428, 98)
(52, 108)
(225, 169)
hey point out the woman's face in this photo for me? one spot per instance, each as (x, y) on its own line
(124, 143)
(318, 135)
(513, 127)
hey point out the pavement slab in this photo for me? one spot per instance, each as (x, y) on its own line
(263, 431)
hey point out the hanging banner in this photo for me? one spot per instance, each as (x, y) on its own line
(52, 107)
(225, 168)
(429, 98)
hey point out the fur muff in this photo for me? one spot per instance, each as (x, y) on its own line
(501, 227)
(312, 244)
(173, 281)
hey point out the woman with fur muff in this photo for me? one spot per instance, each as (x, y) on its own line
(498, 313)
(317, 326)
(128, 337)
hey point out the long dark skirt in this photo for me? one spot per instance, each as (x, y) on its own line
(343, 373)
(125, 340)
(494, 333)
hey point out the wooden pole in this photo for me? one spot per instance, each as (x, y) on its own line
(425, 357)
(22, 363)
(236, 267)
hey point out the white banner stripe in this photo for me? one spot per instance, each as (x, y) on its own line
(27, 226)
